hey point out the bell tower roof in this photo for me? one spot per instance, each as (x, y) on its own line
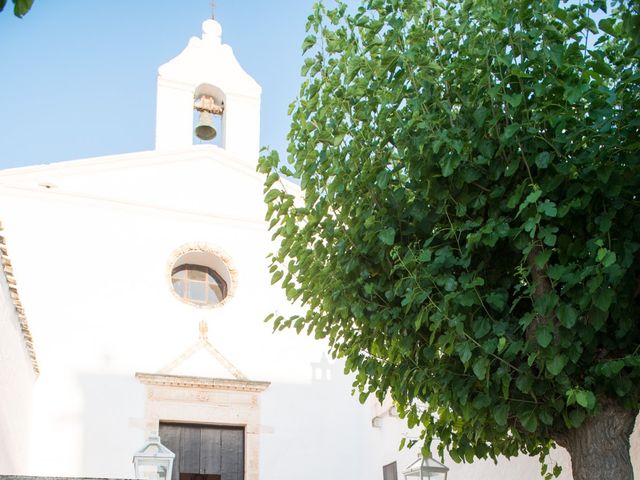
(208, 60)
(208, 67)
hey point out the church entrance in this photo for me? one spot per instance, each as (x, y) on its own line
(204, 452)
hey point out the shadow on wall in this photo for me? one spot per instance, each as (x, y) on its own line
(112, 424)
(313, 431)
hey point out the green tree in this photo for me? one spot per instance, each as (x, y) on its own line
(20, 7)
(468, 231)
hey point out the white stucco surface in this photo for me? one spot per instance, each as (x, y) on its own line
(16, 385)
(92, 257)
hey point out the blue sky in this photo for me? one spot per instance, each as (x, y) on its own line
(78, 77)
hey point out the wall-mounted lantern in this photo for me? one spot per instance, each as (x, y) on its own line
(426, 468)
(154, 461)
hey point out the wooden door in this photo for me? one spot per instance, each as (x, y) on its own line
(204, 452)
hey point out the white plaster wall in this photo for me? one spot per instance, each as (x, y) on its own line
(174, 126)
(94, 278)
(16, 384)
(315, 430)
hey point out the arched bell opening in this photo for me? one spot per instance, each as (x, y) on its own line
(208, 111)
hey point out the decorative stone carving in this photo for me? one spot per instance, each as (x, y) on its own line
(202, 400)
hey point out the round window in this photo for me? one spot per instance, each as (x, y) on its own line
(198, 284)
(201, 276)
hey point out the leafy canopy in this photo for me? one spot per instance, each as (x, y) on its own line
(469, 227)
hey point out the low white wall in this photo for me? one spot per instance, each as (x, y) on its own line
(384, 443)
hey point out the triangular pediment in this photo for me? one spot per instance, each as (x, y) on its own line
(202, 359)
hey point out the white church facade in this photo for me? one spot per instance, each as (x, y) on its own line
(145, 284)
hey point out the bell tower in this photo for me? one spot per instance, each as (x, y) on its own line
(207, 78)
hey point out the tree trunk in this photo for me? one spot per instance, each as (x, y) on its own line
(599, 449)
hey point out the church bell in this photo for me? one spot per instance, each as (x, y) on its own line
(204, 128)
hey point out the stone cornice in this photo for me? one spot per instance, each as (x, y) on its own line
(202, 382)
(15, 297)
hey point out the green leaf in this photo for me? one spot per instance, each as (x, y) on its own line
(606, 257)
(542, 258)
(309, 42)
(480, 115)
(529, 200)
(545, 417)
(481, 326)
(464, 352)
(603, 299)
(21, 7)
(425, 255)
(607, 25)
(497, 299)
(501, 414)
(529, 421)
(382, 179)
(510, 131)
(544, 335)
(467, 298)
(449, 165)
(450, 284)
(277, 275)
(271, 179)
(556, 364)
(573, 93)
(597, 318)
(524, 382)
(512, 167)
(387, 236)
(421, 318)
(514, 100)
(543, 159)
(533, 197)
(576, 417)
(567, 315)
(271, 195)
(548, 208)
(482, 401)
(480, 368)
(586, 399)
(550, 240)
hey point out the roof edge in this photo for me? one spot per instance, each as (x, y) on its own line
(131, 158)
